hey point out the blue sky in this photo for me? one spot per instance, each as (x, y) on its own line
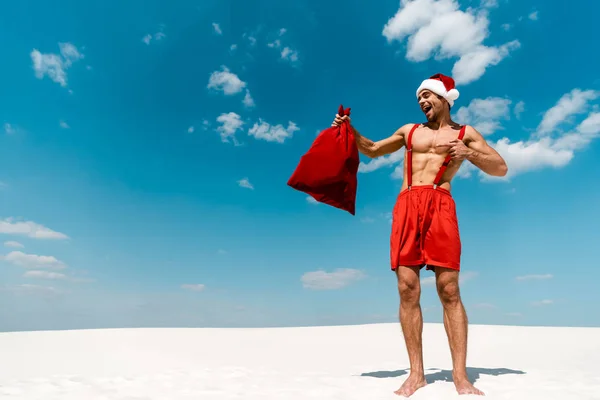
(145, 150)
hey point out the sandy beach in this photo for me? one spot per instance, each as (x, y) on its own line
(340, 362)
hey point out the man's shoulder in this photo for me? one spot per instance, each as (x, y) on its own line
(470, 131)
(406, 128)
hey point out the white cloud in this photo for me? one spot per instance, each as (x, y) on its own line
(322, 280)
(523, 156)
(156, 36)
(388, 216)
(198, 287)
(519, 109)
(233, 47)
(533, 16)
(489, 3)
(69, 53)
(506, 27)
(535, 154)
(382, 162)
(585, 132)
(9, 129)
(534, 277)
(230, 84)
(55, 276)
(190, 129)
(466, 170)
(49, 64)
(428, 281)
(431, 29)
(272, 133)
(245, 183)
(250, 37)
(398, 172)
(542, 303)
(287, 53)
(45, 275)
(472, 65)
(467, 276)
(226, 81)
(248, 100)
(590, 125)
(55, 65)
(311, 200)
(275, 44)
(217, 28)
(548, 147)
(30, 229)
(570, 104)
(230, 124)
(64, 125)
(29, 289)
(13, 244)
(485, 114)
(33, 261)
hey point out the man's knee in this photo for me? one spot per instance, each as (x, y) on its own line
(409, 286)
(449, 292)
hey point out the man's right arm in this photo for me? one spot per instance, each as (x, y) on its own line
(382, 147)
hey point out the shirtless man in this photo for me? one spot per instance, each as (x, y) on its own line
(424, 223)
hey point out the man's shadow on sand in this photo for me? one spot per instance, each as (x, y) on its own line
(446, 375)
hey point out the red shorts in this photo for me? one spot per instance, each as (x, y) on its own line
(425, 229)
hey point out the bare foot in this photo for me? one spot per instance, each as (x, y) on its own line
(463, 386)
(411, 385)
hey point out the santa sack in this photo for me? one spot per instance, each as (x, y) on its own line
(327, 171)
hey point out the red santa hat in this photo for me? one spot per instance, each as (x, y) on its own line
(441, 85)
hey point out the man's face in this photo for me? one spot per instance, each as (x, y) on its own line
(431, 104)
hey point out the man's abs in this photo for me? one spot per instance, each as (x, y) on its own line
(427, 159)
(425, 168)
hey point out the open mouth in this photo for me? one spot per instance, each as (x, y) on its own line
(426, 109)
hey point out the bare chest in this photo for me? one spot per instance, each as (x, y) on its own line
(425, 140)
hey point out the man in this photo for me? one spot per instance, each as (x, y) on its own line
(424, 223)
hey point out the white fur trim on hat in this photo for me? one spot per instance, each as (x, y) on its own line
(438, 87)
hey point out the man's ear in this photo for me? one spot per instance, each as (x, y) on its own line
(444, 100)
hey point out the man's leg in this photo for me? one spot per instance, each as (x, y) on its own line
(456, 324)
(411, 320)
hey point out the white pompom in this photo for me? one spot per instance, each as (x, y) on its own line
(453, 94)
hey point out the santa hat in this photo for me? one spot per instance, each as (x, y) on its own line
(441, 85)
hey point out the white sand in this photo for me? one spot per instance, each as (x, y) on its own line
(364, 362)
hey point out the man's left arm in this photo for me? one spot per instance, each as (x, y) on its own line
(482, 155)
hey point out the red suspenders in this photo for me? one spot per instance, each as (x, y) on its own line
(440, 173)
(409, 155)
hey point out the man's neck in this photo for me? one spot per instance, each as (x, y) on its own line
(441, 121)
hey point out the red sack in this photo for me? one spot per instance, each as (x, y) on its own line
(327, 171)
